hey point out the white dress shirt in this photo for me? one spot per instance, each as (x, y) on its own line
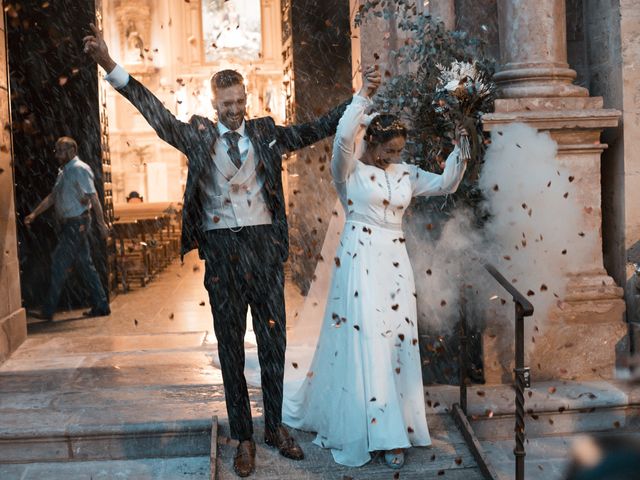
(72, 187)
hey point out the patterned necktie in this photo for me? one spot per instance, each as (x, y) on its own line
(232, 139)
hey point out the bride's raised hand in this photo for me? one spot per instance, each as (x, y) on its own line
(371, 80)
(460, 132)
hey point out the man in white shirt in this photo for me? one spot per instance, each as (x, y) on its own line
(73, 196)
(234, 214)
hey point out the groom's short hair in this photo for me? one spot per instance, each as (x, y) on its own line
(226, 79)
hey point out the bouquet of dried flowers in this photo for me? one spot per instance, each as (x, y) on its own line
(464, 93)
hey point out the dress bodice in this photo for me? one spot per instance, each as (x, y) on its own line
(378, 196)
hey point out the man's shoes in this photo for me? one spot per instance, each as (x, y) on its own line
(284, 442)
(244, 462)
(94, 312)
(41, 316)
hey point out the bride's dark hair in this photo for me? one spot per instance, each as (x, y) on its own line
(383, 128)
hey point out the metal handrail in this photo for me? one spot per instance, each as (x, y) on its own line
(508, 286)
(523, 308)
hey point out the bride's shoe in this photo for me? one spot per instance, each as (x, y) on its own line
(394, 458)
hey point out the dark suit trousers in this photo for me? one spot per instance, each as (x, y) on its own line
(73, 250)
(243, 270)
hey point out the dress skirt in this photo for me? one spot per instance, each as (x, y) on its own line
(363, 391)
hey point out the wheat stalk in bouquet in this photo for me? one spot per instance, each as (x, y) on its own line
(463, 94)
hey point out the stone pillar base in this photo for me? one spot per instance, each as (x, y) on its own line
(531, 81)
(582, 336)
(13, 331)
(634, 333)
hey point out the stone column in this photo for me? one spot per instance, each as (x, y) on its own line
(533, 50)
(583, 334)
(445, 11)
(13, 319)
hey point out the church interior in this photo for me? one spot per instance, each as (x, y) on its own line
(571, 73)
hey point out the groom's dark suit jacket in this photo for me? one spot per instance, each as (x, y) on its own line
(197, 139)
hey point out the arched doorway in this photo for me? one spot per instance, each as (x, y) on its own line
(169, 47)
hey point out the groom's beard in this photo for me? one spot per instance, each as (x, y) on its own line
(232, 121)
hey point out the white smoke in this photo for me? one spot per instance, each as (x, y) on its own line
(533, 237)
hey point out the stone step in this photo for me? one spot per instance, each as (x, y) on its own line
(556, 408)
(448, 457)
(124, 441)
(138, 449)
(161, 451)
(179, 468)
(539, 424)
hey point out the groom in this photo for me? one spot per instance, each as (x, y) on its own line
(234, 214)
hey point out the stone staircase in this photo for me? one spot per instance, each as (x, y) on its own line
(144, 406)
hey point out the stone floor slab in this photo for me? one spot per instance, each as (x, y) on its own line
(33, 422)
(12, 472)
(41, 347)
(546, 458)
(560, 422)
(188, 468)
(542, 396)
(444, 456)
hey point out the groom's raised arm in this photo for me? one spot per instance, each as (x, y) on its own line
(300, 136)
(166, 125)
(295, 137)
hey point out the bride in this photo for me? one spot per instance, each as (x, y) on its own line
(363, 391)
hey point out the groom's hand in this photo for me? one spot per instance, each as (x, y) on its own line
(96, 48)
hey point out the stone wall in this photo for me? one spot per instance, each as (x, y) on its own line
(53, 93)
(630, 139)
(630, 89)
(577, 52)
(13, 323)
(321, 45)
(479, 18)
(602, 25)
(613, 46)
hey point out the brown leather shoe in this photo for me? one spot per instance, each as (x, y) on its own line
(244, 462)
(284, 442)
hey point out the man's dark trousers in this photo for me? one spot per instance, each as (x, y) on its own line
(73, 249)
(242, 270)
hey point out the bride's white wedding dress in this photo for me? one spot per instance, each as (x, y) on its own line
(363, 391)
